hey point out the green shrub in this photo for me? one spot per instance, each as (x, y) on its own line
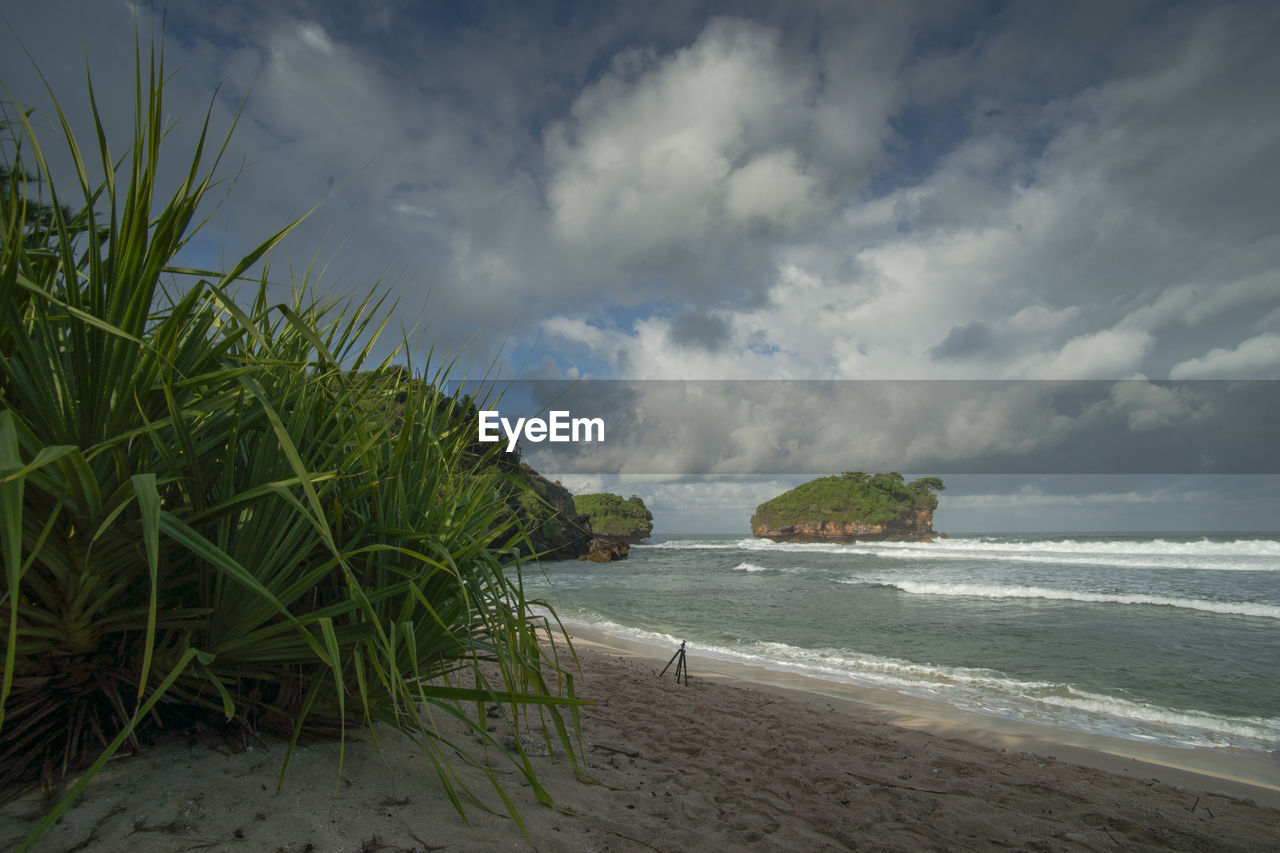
(204, 507)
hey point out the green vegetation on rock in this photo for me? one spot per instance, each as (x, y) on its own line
(849, 497)
(546, 515)
(612, 516)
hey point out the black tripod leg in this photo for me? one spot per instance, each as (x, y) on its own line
(668, 666)
(682, 666)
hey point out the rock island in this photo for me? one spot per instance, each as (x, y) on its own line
(852, 507)
(614, 519)
(615, 524)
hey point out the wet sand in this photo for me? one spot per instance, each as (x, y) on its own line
(735, 760)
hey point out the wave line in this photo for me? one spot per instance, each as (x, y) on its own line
(996, 591)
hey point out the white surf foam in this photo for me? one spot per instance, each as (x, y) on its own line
(998, 591)
(688, 545)
(1250, 555)
(985, 691)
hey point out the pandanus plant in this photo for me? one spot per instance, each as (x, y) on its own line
(213, 506)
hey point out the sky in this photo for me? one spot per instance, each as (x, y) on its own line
(804, 191)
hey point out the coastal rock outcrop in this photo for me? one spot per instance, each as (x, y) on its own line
(614, 519)
(851, 507)
(917, 527)
(606, 551)
(556, 530)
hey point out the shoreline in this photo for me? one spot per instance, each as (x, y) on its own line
(726, 763)
(1230, 772)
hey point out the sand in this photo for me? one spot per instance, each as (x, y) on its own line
(721, 764)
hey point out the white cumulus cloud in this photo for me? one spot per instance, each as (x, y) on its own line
(1256, 358)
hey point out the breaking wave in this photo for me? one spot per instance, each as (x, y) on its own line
(997, 591)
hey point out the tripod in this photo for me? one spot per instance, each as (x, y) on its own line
(681, 667)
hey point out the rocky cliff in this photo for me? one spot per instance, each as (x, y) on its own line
(604, 551)
(851, 507)
(916, 527)
(555, 528)
(562, 526)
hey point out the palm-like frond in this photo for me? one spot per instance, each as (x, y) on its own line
(209, 507)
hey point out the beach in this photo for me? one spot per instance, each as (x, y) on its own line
(869, 353)
(1155, 640)
(726, 762)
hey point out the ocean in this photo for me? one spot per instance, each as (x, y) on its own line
(1157, 638)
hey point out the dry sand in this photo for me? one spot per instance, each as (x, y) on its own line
(708, 767)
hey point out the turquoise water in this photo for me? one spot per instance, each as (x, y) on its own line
(1168, 639)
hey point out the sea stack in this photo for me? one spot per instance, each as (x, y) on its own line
(852, 507)
(614, 519)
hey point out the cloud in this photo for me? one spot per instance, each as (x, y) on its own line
(772, 189)
(1256, 358)
(816, 191)
(698, 330)
(1115, 503)
(686, 167)
(972, 338)
(752, 427)
(1147, 407)
(691, 505)
(1103, 354)
(1002, 338)
(889, 191)
(1102, 233)
(667, 154)
(577, 331)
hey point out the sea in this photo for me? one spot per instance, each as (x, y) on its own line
(1166, 639)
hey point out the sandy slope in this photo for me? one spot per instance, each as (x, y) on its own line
(708, 767)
